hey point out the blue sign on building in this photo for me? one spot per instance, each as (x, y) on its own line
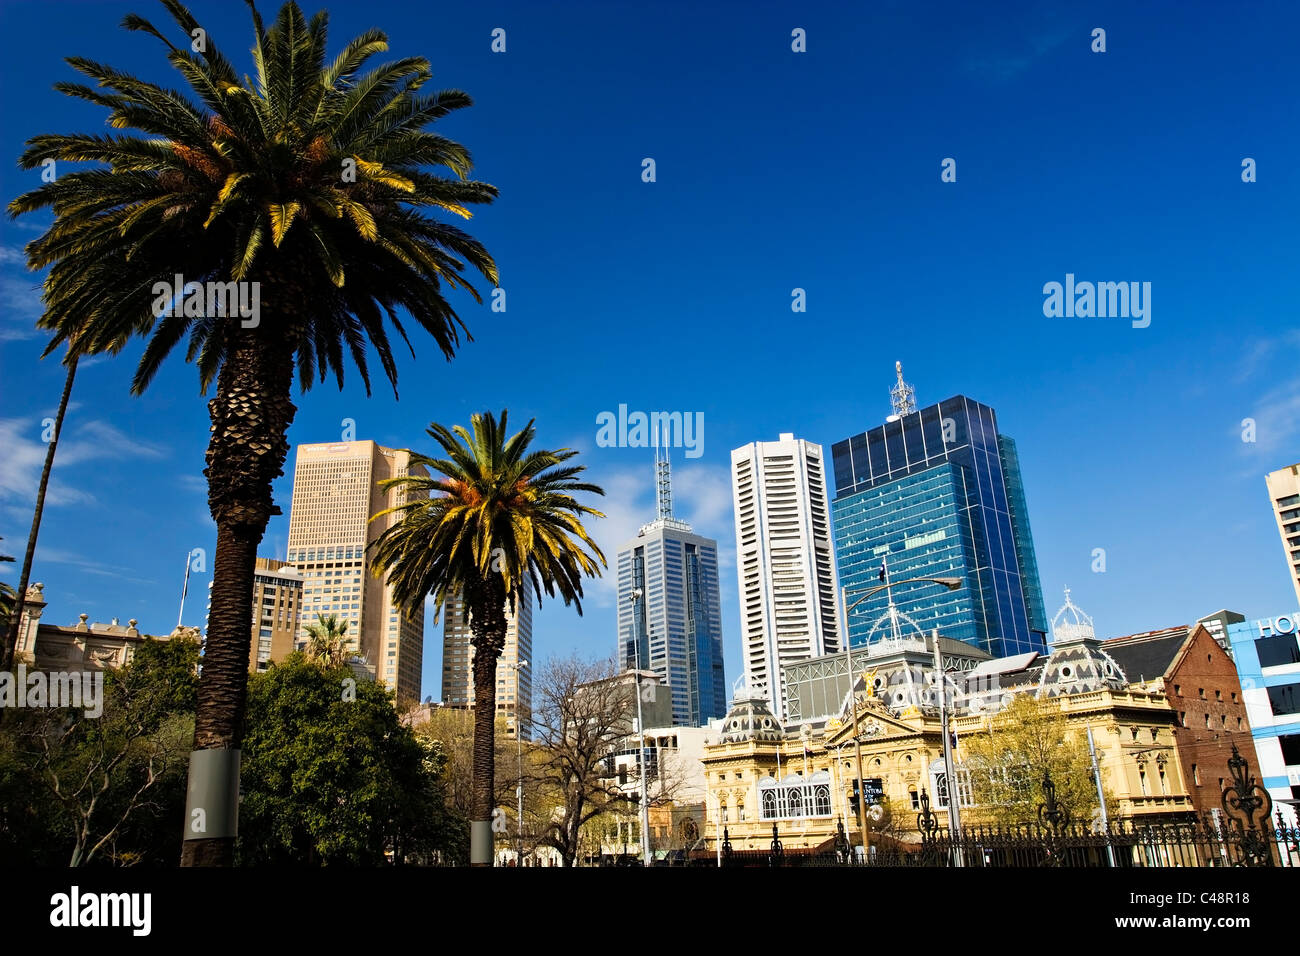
(1267, 654)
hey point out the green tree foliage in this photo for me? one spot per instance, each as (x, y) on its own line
(314, 182)
(1008, 759)
(583, 717)
(76, 789)
(331, 776)
(327, 640)
(7, 595)
(487, 517)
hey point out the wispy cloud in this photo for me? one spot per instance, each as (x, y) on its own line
(20, 307)
(79, 561)
(1257, 353)
(99, 439)
(20, 469)
(28, 225)
(24, 457)
(1018, 52)
(1276, 416)
(701, 496)
(194, 484)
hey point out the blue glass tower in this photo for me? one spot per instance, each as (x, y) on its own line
(675, 626)
(670, 611)
(938, 493)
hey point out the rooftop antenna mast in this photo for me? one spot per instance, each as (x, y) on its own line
(663, 480)
(902, 396)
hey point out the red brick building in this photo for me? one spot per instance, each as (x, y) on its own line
(1201, 684)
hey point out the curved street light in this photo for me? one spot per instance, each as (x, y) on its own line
(635, 597)
(951, 584)
(519, 788)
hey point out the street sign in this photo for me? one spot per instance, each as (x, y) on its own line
(873, 793)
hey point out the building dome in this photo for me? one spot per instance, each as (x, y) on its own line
(750, 719)
(1077, 663)
(1070, 623)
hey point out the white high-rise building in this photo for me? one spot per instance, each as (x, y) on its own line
(785, 560)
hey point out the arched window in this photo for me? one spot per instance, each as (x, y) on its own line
(794, 801)
(822, 800)
(769, 804)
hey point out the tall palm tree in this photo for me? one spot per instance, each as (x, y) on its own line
(488, 515)
(306, 184)
(327, 640)
(12, 620)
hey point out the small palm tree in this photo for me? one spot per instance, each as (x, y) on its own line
(327, 641)
(313, 186)
(488, 515)
(7, 595)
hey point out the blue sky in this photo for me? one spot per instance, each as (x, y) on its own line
(775, 170)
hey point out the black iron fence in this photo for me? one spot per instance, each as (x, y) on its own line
(1124, 843)
(1243, 835)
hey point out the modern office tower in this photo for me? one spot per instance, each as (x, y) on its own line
(336, 491)
(785, 563)
(1267, 655)
(277, 593)
(1284, 495)
(1218, 623)
(514, 682)
(937, 493)
(669, 613)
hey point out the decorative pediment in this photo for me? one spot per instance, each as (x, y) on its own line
(875, 722)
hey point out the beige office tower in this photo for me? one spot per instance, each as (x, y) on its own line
(785, 560)
(277, 593)
(1284, 496)
(514, 682)
(335, 492)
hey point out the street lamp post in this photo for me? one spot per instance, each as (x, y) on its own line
(519, 789)
(640, 733)
(717, 836)
(952, 584)
(950, 772)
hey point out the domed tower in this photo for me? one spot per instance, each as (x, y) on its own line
(1077, 663)
(750, 718)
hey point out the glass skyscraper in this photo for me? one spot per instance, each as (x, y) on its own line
(938, 493)
(675, 627)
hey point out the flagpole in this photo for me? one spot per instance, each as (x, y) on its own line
(185, 586)
(889, 595)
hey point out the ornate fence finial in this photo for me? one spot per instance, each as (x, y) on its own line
(926, 821)
(1051, 814)
(1244, 802)
(778, 851)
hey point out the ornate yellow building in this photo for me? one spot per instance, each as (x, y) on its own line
(802, 778)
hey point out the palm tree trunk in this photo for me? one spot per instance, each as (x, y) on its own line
(251, 414)
(11, 637)
(488, 624)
